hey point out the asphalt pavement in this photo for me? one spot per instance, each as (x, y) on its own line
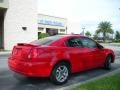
(9, 82)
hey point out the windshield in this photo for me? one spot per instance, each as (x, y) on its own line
(46, 41)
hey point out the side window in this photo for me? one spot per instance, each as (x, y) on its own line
(74, 42)
(88, 43)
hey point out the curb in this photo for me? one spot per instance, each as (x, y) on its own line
(96, 78)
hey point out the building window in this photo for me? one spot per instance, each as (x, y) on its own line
(24, 28)
(62, 30)
(40, 29)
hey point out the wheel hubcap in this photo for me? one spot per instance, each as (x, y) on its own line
(61, 73)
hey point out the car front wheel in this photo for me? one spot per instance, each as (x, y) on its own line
(60, 73)
(108, 63)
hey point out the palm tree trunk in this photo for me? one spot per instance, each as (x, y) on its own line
(104, 36)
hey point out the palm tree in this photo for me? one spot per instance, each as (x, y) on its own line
(105, 28)
(88, 34)
(117, 35)
(95, 36)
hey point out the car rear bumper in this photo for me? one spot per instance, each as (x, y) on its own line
(30, 69)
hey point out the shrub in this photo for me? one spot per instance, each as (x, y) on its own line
(116, 40)
(42, 35)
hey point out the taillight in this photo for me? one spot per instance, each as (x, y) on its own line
(33, 53)
(14, 51)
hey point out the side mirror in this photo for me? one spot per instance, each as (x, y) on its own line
(99, 46)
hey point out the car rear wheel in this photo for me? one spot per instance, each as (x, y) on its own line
(60, 73)
(108, 63)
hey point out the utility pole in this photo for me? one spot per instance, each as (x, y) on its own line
(83, 30)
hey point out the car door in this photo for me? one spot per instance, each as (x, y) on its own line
(97, 54)
(79, 56)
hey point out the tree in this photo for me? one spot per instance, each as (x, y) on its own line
(105, 28)
(117, 35)
(88, 34)
(95, 36)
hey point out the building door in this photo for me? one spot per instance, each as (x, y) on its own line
(39, 35)
(2, 12)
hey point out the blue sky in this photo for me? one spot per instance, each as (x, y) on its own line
(83, 13)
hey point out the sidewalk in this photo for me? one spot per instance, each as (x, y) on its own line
(113, 44)
(5, 52)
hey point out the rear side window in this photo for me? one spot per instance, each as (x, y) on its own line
(74, 42)
(46, 41)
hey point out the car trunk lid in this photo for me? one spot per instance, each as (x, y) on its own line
(21, 50)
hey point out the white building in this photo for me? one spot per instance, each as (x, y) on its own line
(18, 22)
(51, 24)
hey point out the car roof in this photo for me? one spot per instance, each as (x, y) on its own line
(61, 38)
(71, 35)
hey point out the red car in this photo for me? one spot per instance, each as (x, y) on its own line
(59, 56)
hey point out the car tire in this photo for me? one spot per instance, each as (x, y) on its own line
(107, 64)
(60, 73)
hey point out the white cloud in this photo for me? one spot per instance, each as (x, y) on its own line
(83, 13)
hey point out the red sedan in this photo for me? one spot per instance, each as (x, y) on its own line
(59, 56)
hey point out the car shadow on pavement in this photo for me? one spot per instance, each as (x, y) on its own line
(45, 84)
(31, 84)
(8, 81)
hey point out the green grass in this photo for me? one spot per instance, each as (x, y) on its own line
(106, 83)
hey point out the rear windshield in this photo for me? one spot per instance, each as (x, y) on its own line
(46, 41)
